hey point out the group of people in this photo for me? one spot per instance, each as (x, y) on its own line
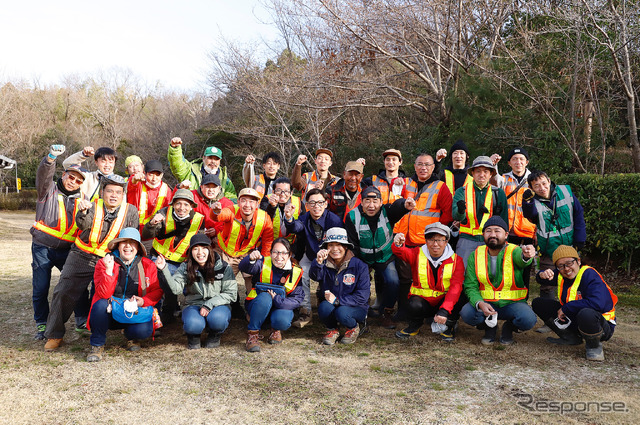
(443, 243)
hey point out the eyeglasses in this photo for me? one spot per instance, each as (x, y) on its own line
(279, 253)
(73, 179)
(316, 203)
(438, 241)
(566, 265)
(281, 192)
(424, 164)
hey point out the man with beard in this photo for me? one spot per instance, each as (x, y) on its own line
(495, 287)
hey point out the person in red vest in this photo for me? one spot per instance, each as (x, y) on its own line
(319, 179)
(245, 228)
(147, 192)
(586, 307)
(262, 183)
(208, 195)
(344, 195)
(99, 222)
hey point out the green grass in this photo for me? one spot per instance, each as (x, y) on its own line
(631, 298)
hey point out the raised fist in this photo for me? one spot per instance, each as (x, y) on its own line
(301, 159)
(56, 150)
(88, 151)
(495, 158)
(84, 205)
(161, 263)
(441, 154)
(399, 239)
(255, 255)
(528, 195)
(288, 211)
(322, 255)
(175, 142)
(185, 184)
(528, 251)
(108, 264)
(250, 159)
(156, 219)
(410, 204)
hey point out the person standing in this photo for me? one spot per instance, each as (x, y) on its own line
(147, 192)
(262, 183)
(390, 181)
(105, 159)
(321, 178)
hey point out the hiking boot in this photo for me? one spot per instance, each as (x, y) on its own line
(213, 340)
(53, 344)
(567, 336)
(351, 335)
(253, 341)
(506, 334)
(303, 319)
(489, 335)
(132, 345)
(449, 335)
(331, 337)
(275, 337)
(39, 336)
(543, 329)
(95, 355)
(387, 319)
(409, 331)
(193, 341)
(594, 350)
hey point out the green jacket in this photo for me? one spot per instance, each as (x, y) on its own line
(500, 207)
(192, 171)
(222, 291)
(472, 286)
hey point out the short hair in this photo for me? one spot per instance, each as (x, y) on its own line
(282, 180)
(314, 191)
(283, 241)
(535, 175)
(104, 152)
(275, 156)
(424, 154)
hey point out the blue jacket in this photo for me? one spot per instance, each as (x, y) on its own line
(254, 268)
(350, 284)
(304, 228)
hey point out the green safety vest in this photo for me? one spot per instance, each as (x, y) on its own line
(559, 231)
(374, 247)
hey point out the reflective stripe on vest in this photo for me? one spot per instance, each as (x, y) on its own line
(61, 231)
(230, 245)
(507, 289)
(472, 227)
(383, 186)
(519, 225)
(373, 243)
(280, 231)
(426, 287)
(572, 293)
(426, 212)
(94, 246)
(142, 208)
(177, 254)
(450, 181)
(266, 276)
(259, 184)
(564, 204)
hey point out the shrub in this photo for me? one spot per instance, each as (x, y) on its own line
(25, 200)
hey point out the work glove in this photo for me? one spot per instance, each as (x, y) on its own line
(462, 206)
(528, 195)
(55, 151)
(484, 210)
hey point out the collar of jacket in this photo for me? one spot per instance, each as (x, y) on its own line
(345, 263)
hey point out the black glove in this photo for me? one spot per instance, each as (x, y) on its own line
(484, 210)
(462, 206)
(528, 195)
(579, 245)
(442, 312)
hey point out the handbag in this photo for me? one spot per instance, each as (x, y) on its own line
(141, 314)
(264, 287)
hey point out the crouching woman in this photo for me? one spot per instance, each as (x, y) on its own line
(344, 287)
(209, 287)
(124, 273)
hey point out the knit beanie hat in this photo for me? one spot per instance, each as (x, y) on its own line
(459, 146)
(496, 220)
(564, 251)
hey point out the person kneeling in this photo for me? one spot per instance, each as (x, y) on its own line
(275, 293)
(210, 288)
(127, 274)
(587, 304)
(344, 287)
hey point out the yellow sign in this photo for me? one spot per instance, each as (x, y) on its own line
(19, 183)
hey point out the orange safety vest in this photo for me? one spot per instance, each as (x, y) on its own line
(574, 294)
(235, 248)
(280, 231)
(451, 182)
(426, 287)
(61, 231)
(177, 253)
(426, 212)
(517, 223)
(472, 227)
(507, 290)
(142, 207)
(311, 178)
(260, 185)
(383, 186)
(94, 246)
(266, 276)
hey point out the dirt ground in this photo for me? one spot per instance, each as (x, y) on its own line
(378, 380)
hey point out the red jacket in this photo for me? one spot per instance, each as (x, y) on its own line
(204, 209)
(134, 192)
(106, 285)
(410, 255)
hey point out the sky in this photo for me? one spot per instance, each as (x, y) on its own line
(159, 41)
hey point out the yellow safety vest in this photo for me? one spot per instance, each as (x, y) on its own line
(425, 287)
(94, 246)
(177, 254)
(230, 245)
(472, 227)
(279, 231)
(451, 182)
(573, 293)
(61, 231)
(142, 208)
(507, 290)
(266, 276)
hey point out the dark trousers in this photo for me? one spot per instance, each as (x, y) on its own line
(420, 309)
(587, 320)
(74, 280)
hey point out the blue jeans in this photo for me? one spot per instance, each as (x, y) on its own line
(44, 260)
(391, 283)
(259, 309)
(333, 316)
(101, 322)
(305, 265)
(519, 313)
(216, 321)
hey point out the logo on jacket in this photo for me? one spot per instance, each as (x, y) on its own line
(349, 279)
(219, 276)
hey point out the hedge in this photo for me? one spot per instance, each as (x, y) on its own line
(611, 212)
(25, 200)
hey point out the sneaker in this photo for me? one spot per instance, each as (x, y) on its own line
(387, 319)
(489, 335)
(449, 335)
(193, 341)
(95, 355)
(331, 337)
(82, 329)
(53, 344)
(39, 336)
(351, 335)
(409, 331)
(132, 345)
(275, 337)
(213, 340)
(253, 341)
(304, 319)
